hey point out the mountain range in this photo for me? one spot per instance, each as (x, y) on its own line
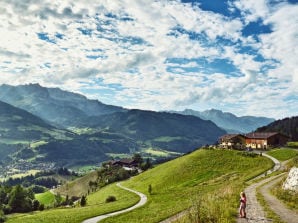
(61, 108)
(228, 121)
(68, 129)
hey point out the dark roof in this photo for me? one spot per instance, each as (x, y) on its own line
(260, 135)
(127, 160)
(124, 161)
(229, 136)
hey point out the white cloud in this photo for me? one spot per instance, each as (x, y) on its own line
(133, 52)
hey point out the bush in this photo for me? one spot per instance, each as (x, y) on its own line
(110, 199)
(248, 154)
(83, 201)
(41, 207)
(2, 217)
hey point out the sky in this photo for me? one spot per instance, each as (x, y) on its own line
(237, 56)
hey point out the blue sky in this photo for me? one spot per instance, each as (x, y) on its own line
(238, 56)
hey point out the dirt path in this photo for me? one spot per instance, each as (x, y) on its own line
(142, 201)
(255, 212)
(276, 205)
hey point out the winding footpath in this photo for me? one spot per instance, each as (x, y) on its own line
(255, 212)
(143, 200)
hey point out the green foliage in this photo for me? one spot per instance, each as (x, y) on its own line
(247, 154)
(150, 189)
(20, 200)
(110, 198)
(2, 216)
(83, 201)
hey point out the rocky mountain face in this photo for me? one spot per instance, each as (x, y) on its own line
(61, 108)
(230, 122)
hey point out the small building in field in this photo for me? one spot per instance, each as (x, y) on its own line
(126, 163)
(232, 141)
(264, 140)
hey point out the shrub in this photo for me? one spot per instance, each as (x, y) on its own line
(110, 198)
(41, 207)
(2, 216)
(83, 201)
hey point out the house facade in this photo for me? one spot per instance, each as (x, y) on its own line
(255, 140)
(264, 140)
(232, 141)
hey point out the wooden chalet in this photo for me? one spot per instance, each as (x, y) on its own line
(255, 140)
(232, 141)
(264, 140)
(125, 163)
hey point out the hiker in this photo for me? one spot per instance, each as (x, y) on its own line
(242, 213)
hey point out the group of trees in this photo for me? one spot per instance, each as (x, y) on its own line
(18, 199)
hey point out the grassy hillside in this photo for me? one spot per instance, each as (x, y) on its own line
(176, 186)
(46, 198)
(95, 205)
(283, 154)
(187, 180)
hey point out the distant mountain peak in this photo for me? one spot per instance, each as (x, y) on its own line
(230, 122)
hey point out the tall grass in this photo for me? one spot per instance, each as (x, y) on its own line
(288, 197)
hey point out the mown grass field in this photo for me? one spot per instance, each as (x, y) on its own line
(176, 186)
(95, 205)
(46, 198)
(283, 154)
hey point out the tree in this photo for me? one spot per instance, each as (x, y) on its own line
(2, 216)
(146, 165)
(35, 205)
(19, 201)
(150, 189)
(138, 158)
(83, 201)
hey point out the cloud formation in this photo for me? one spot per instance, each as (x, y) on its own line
(157, 55)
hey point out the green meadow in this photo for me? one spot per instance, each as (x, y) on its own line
(283, 154)
(95, 205)
(192, 179)
(215, 176)
(46, 198)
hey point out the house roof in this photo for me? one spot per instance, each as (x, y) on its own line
(125, 161)
(229, 136)
(260, 135)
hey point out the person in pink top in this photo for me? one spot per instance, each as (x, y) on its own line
(242, 213)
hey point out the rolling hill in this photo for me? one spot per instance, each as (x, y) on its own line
(28, 137)
(287, 126)
(228, 121)
(172, 132)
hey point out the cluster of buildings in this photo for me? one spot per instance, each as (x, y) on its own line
(255, 140)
